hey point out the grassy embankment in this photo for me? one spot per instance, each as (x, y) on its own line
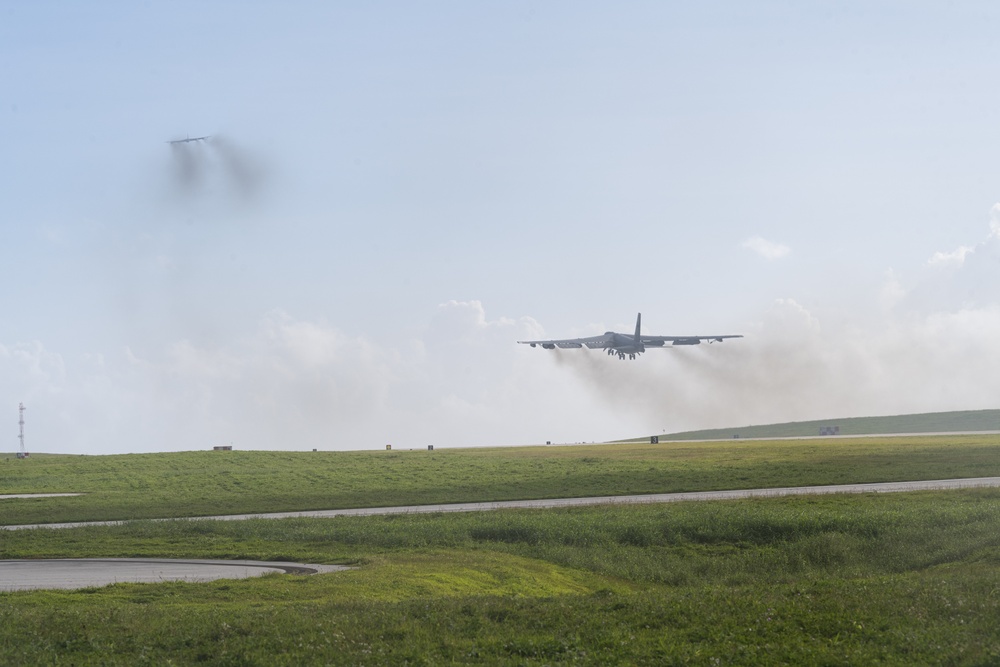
(208, 483)
(925, 422)
(894, 579)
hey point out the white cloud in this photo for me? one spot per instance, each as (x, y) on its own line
(959, 256)
(298, 384)
(767, 249)
(954, 258)
(290, 383)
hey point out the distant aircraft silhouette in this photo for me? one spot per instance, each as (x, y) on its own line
(189, 139)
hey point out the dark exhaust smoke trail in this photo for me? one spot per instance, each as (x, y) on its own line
(189, 167)
(695, 388)
(790, 368)
(217, 173)
(245, 174)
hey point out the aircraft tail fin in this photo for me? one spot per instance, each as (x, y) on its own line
(638, 324)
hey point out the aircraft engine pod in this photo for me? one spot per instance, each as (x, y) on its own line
(548, 346)
(687, 341)
(654, 343)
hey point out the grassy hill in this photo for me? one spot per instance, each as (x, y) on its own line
(928, 422)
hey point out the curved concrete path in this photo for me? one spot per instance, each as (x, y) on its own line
(71, 573)
(652, 498)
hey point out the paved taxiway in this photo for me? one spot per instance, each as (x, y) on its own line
(651, 498)
(70, 573)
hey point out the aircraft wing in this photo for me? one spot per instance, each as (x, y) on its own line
(657, 341)
(593, 342)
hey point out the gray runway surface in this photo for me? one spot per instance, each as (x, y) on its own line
(653, 498)
(71, 573)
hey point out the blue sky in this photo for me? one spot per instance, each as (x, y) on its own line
(395, 193)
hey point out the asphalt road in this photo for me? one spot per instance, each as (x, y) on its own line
(72, 573)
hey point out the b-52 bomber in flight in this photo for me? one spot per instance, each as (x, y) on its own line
(190, 139)
(625, 344)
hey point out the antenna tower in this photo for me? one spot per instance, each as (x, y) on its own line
(20, 413)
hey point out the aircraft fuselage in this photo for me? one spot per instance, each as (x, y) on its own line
(622, 345)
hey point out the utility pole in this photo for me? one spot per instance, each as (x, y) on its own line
(23, 453)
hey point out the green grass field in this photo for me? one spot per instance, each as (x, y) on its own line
(209, 483)
(897, 579)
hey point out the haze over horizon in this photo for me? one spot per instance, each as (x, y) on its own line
(395, 193)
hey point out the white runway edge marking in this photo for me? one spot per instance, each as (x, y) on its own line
(653, 498)
(9, 496)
